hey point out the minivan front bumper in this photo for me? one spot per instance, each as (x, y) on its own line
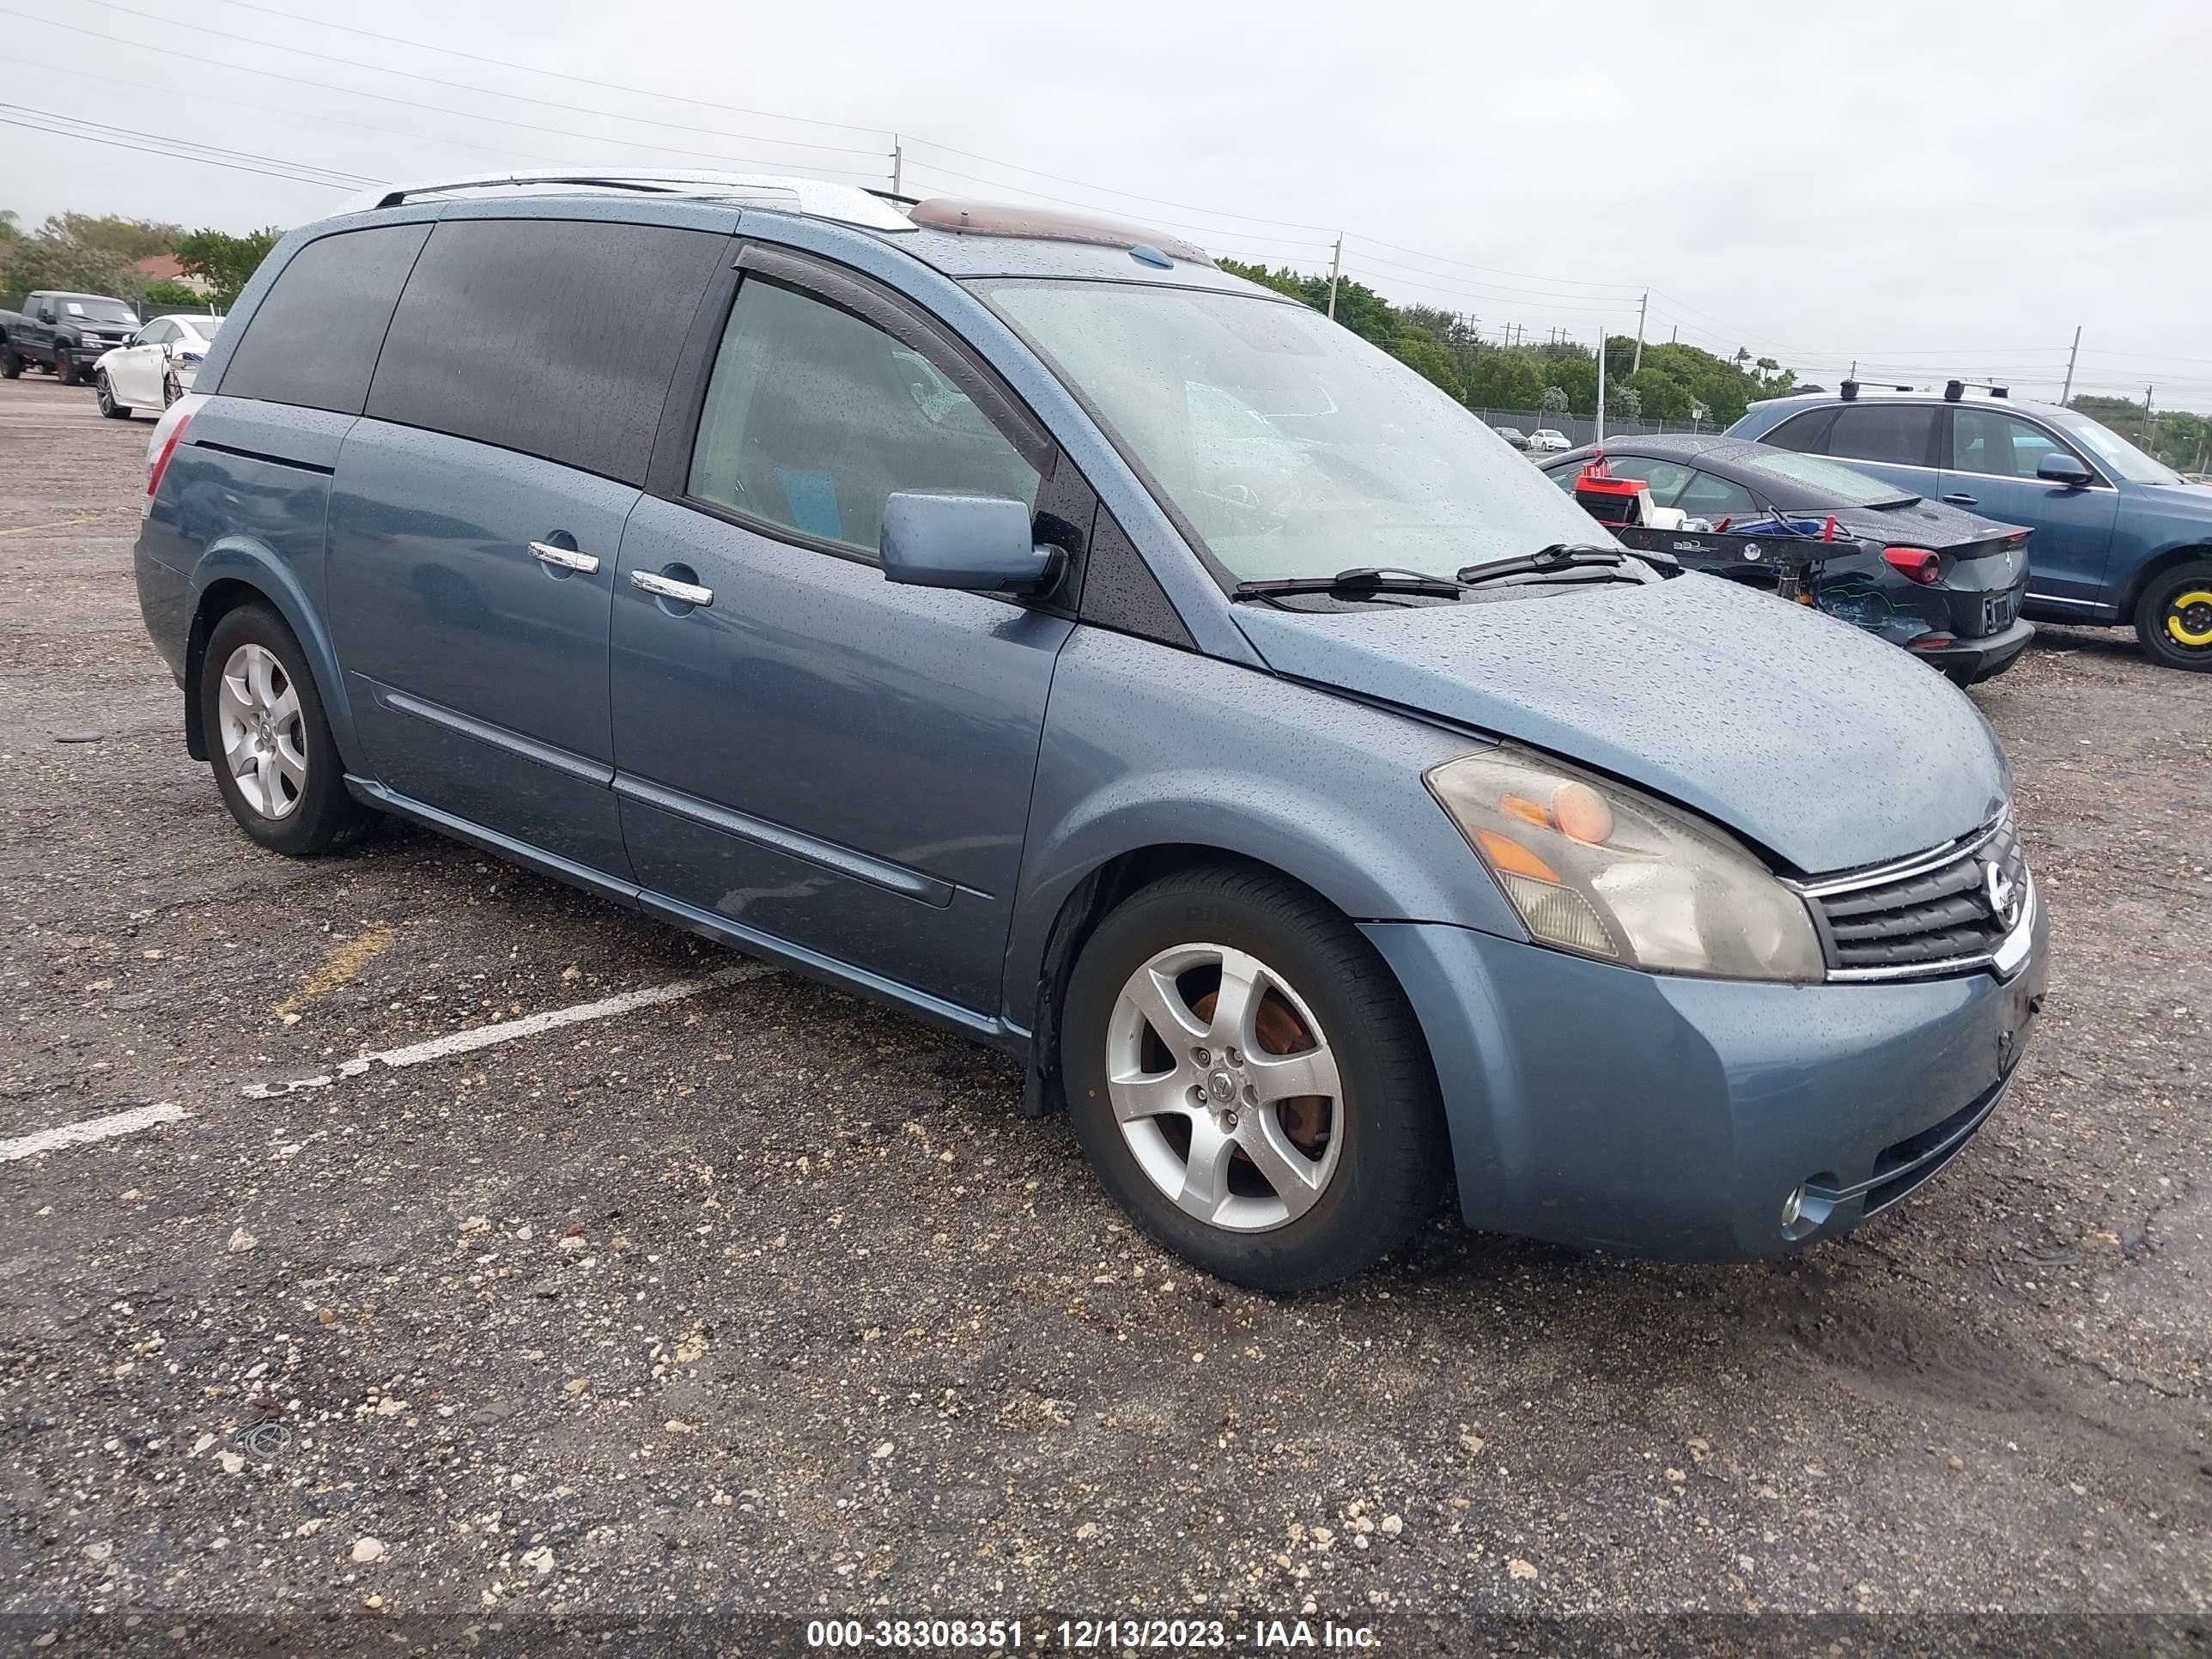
(1661, 1115)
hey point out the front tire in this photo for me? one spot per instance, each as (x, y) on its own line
(11, 366)
(1248, 1082)
(105, 394)
(269, 743)
(65, 366)
(2173, 618)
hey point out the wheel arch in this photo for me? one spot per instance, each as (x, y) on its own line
(235, 572)
(2156, 566)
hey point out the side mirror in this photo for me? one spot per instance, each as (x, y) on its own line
(45, 315)
(2057, 467)
(981, 543)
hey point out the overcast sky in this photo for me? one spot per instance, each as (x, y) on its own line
(1930, 188)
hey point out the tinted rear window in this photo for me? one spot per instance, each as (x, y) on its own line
(1900, 434)
(551, 336)
(313, 339)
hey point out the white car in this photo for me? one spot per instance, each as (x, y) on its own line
(156, 368)
(1546, 439)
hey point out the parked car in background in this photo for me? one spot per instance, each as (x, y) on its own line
(1544, 439)
(1166, 687)
(1940, 581)
(155, 368)
(1512, 435)
(64, 332)
(2119, 537)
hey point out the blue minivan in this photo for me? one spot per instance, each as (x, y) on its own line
(1013, 617)
(2119, 537)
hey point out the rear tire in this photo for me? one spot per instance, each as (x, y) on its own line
(105, 394)
(2174, 618)
(170, 390)
(1281, 1192)
(65, 366)
(269, 743)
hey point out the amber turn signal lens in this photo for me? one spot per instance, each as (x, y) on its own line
(1509, 857)
(1521, 807)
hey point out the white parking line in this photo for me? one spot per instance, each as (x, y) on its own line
(415, 1054)
(93, 1128)
(484, 1037)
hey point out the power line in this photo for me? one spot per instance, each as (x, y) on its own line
(337, 175)
(198, 28)
(561, 75)
(688, 152)
(182, 155)
(296, 115)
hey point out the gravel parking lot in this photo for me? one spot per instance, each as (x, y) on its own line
(755, 1297)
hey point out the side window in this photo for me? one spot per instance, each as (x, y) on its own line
(1665, 479)
(813, 416)
(314, 337)
(158, 332)
(1807, 433)
(1899, 434)
(1709, 497)
(1984, 441)
(553, 337)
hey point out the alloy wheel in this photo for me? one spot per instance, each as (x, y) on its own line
(264, 732)
(1225, 1087)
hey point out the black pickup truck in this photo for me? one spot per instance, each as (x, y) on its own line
(64, 333)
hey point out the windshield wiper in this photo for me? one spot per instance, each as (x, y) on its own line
(1353, 584)
(1559, 556)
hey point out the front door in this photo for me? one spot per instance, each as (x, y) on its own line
(1990, 471)
(806, 751)
(135, 372)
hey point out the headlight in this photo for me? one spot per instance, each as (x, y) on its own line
(1601, 870)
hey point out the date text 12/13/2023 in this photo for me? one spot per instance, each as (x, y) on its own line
(1006, 1636)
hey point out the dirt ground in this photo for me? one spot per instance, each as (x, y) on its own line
(758, 1300)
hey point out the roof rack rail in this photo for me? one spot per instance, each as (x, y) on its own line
(1850, 390)
(847, 203)
(1954, 390)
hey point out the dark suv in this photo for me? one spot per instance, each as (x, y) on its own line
(2119, 537)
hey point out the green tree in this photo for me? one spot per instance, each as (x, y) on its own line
(1284, 281)
(34, 262)
(10, 225)
(133, 239)
(1504, 380)
(1430, 359)
(166, 295)
(226, 262)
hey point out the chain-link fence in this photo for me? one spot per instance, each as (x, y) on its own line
(1579, 430)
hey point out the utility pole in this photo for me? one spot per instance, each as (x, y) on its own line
(1636, 368)
(2150, 424)
(1335, 267)
(1600, 386)
(2072, 351)
(898, 165)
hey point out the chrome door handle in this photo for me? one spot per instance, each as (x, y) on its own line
(565, 557)
(682, 593)
(1960, 501)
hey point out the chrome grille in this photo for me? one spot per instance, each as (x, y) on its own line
(1936, 913)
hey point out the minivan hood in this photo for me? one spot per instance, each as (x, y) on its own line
(1825, 746)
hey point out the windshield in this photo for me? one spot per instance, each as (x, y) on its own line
(100, 311)
(1290, 446)
(2108, 446)
(1780, 468)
